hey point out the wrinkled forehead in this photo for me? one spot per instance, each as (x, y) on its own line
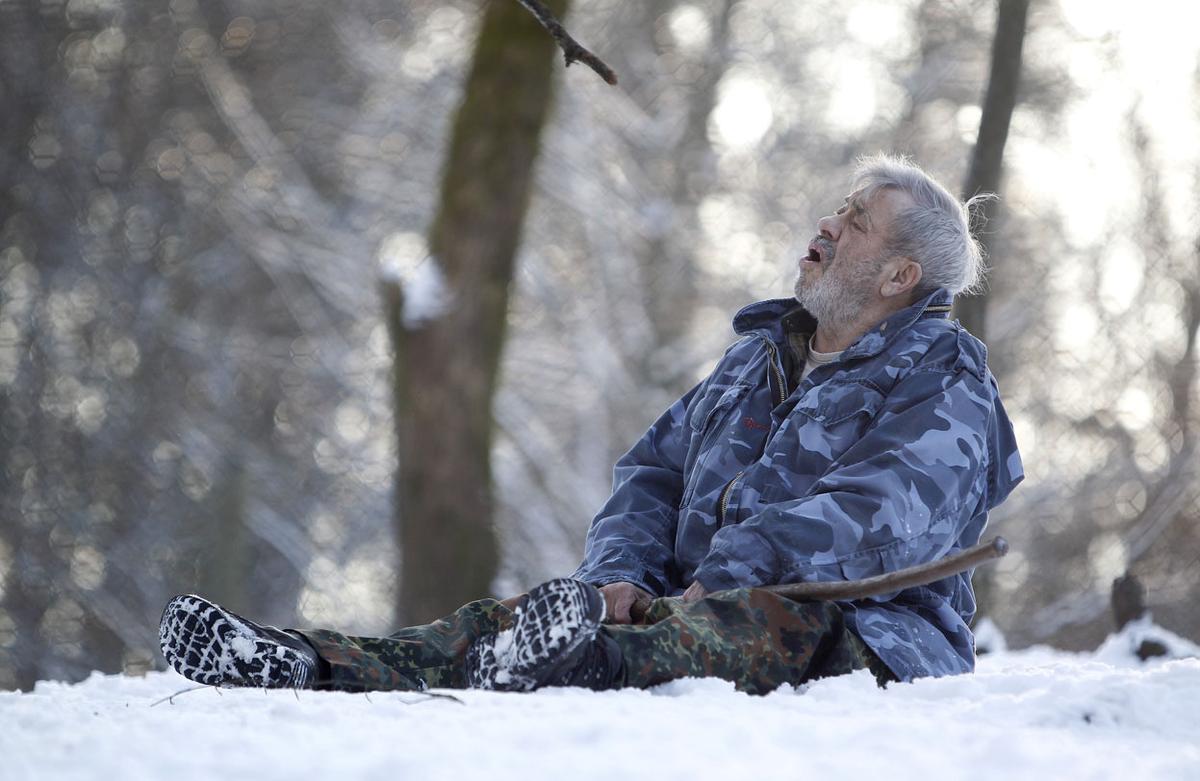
(880, 202)
(856, 199)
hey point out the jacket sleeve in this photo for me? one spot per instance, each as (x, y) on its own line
(899, 496)
(632, 538)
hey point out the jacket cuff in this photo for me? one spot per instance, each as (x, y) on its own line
(714, 576)
(620, 570)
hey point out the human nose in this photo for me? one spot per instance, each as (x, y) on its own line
(830, 227)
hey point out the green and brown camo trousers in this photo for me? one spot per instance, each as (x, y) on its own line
(754, 638)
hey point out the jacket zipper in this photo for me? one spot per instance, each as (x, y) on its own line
(723, 502)
(775, 370)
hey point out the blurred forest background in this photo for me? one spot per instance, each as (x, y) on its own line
(238, 239)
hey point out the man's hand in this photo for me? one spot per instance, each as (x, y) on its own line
(695, 592)
(618, 598)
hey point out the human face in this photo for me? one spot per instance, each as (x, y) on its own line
(839, 277)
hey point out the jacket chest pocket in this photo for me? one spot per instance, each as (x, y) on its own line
(833, 416)
(715, 405)
(709, 417)
(831, 403)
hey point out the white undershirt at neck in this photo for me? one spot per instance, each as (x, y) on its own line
(814, 359)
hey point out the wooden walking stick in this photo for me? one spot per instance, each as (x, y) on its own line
(898, 580)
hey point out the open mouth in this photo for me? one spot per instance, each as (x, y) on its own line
(814, 252)
(820, 250)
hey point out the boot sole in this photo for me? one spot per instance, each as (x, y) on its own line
(552, 624)
(207, 644)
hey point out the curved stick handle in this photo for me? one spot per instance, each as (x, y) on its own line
(900, 579)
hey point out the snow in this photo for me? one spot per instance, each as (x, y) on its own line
(243, 647)
(404, 259)
(1034, 713)
(1124, 645)
(426, 294)
(988, 637)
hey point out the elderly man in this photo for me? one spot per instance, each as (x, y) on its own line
(850, 431)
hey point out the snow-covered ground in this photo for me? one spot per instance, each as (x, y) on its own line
(1028, 714)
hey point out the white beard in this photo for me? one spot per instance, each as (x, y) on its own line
(834, 300)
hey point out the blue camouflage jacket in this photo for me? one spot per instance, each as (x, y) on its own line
(887, 458)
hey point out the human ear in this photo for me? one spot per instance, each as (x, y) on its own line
(901, 275)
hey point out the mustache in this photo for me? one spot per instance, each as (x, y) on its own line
(827, 248)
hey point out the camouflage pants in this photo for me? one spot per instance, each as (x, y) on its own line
(751, 637)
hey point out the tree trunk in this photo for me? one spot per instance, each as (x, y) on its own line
(984, 176)
(998, 104)
(225, 563)
(446, 365)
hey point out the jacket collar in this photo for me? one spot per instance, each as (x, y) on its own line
(776, 317)
(767, 318)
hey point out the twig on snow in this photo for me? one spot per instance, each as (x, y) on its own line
(171, 697)
(435, 696)
(426, 695)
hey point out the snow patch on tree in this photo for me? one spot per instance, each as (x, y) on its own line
(404, 260)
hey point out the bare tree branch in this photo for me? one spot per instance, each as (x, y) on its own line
(572, 51)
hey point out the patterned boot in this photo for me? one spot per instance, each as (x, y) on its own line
(208, 644)
(555, 641)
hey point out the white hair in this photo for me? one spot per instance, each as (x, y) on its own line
(936, 231)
